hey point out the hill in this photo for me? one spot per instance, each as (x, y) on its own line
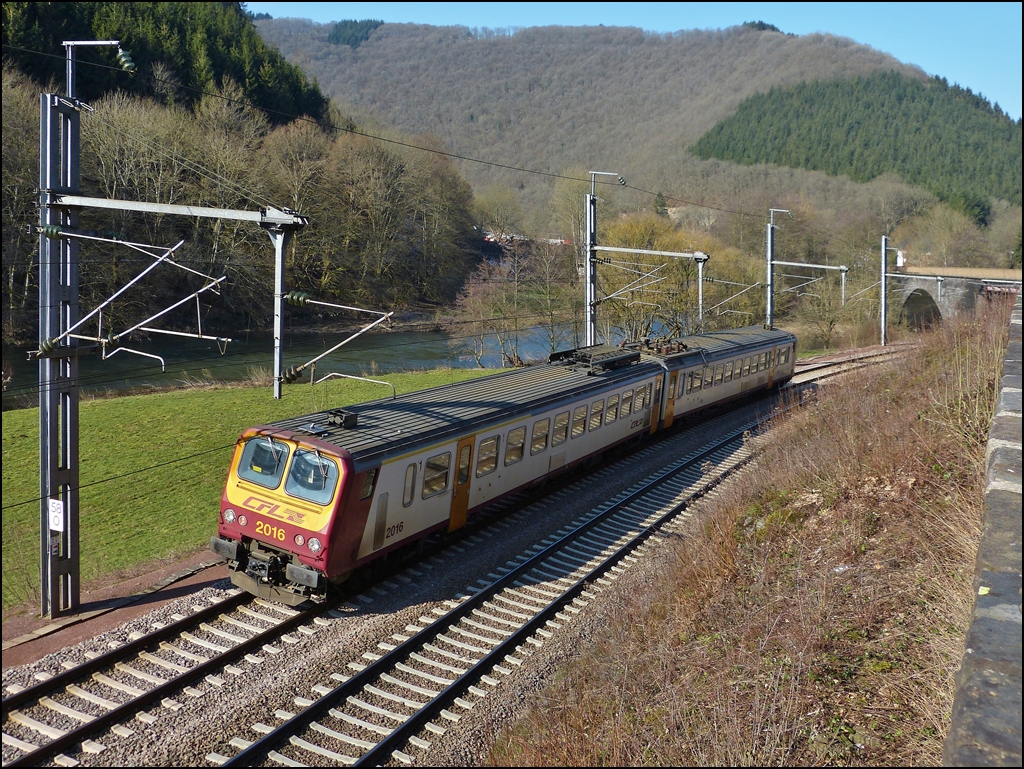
(934, 135)
(550, 98)
(180, 50)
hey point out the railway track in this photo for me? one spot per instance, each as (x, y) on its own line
(65, 710)
(392, 704)
(423, 680)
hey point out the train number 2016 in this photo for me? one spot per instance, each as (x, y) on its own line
(393, 530)
(266, 530)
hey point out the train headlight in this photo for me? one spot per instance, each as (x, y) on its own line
(314, 545)
(300, 540)
(242, 520)
(229, 516)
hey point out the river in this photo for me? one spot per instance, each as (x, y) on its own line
(186, 358)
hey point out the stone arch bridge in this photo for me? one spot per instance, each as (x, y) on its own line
(924, 295)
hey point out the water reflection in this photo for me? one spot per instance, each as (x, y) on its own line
(369, 354)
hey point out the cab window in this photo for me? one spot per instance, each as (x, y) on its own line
(369, 481)
(312, 477)
(263, 461)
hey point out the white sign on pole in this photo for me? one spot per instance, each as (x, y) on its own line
(56, 515)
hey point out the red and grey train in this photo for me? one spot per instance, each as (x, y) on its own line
(311, 499)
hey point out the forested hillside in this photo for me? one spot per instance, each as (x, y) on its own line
(550, 98)
(934, 135)
(204, 120)
(180, 49)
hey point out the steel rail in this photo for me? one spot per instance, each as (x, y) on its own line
(107, 660)
(259, 750)
(75, 736)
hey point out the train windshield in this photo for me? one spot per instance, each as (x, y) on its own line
(313, 477)
(263, 461)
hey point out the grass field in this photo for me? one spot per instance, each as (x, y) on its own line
(152, 469)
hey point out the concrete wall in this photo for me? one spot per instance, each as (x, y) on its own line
(986, 721)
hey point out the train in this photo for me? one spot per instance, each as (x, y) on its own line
(311, 500)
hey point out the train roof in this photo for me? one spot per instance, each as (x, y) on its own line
(402, 424)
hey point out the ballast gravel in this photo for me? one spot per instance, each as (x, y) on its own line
(192, 727)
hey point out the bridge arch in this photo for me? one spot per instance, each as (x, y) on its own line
(920, 310)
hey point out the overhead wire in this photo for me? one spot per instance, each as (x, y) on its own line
(258, 198)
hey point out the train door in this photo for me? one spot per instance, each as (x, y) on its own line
(656, 403)
(670, 400)
(771, 368)
(460, 494)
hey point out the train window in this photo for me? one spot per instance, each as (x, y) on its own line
(638, 399)
(719, 370)
(369, 481)
(613, 410)
(753, 363)
(579, 421)
(709, 375)
(312, 477)
(596, 414)
(728, 372)
(561, 431)
(487, 457)
(698, 378)
(672, 385)
(435, 474)
(464, 454)
(514, 447)
(410, 485)
(764, 361)
(539, 439)
(785, 355)
(627, 404)
(746, 366)
(263, 461)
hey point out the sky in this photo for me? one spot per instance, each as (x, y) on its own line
(977, 45)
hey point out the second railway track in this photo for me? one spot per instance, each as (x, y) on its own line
(391, 702)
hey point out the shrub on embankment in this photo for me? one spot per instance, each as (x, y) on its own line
(816, 614)
(153, 468)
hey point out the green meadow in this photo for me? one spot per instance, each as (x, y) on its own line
(152, 469)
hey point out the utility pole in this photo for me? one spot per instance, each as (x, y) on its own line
(590, 269)
(883, 304)
(59, 204)
(59, 172)
(769, 311)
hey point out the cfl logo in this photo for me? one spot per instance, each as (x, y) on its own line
(262, 506)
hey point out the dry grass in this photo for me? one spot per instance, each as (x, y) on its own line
(816, 614)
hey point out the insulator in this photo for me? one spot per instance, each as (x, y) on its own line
(52, 231)
(292, 373)
(622, 181)
(125, 60)
(47, 346)
(298, 298)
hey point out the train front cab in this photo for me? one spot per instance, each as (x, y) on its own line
(278, 511)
